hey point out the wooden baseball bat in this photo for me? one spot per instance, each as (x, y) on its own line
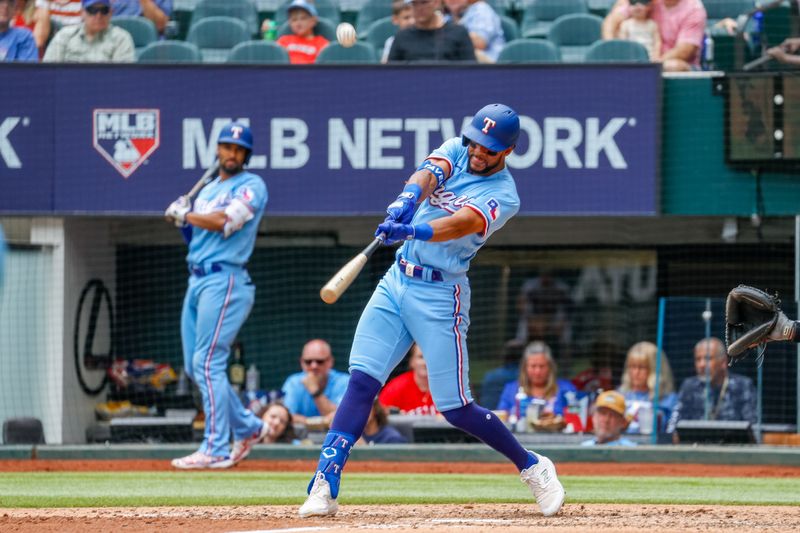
(344, 278)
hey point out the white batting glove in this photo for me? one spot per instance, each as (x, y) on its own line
(178, 210)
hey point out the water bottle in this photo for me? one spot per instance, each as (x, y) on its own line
(236, 372)
(707, 59)
(253, 378)
(758, 30)
(182, 388)
(519, 400)
(270, 30)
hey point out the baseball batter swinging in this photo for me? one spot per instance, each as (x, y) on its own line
(221, 229)
(466, 194)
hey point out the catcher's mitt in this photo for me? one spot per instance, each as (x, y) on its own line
(750, 315)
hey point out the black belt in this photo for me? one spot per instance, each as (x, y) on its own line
(416, 271)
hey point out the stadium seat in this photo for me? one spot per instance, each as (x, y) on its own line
(510, 28)
(23, 430)
(529, 51)
(540, 15)
(599, 7)
(216, 36)
(370, 12)
(573, 34)
(244, 10)
(378, 32)
(325, 9)
(717, 10)
(324, 27)
(616, 50)
(170, 52)
(142, 30)
(258, 52)
(358, 53)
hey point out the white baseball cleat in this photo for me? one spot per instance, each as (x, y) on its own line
(242, 448)
(543, 482)
(319, 501)
(199, 460)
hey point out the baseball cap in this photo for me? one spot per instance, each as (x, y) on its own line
(612, 400)
(87, 3)
(305, 6)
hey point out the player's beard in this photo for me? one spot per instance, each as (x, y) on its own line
(489, 169)
(232, 167)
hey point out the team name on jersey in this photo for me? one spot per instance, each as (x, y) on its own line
(444, 199)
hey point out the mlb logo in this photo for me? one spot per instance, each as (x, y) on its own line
(126, 137)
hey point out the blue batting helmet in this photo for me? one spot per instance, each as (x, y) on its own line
(495, 127)
(237, 133)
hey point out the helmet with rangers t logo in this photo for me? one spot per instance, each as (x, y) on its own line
(495, 127)
(237, 133)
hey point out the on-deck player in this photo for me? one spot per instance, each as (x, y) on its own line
(467, 194)
(221, 229)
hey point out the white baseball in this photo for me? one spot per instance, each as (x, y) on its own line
(346, 34)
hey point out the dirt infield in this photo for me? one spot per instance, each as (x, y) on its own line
(509, 518)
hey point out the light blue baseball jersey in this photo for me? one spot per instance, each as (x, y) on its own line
(493, 197)
(211, 246)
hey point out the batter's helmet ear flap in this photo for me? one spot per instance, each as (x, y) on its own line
(240, 134)
(495, 127)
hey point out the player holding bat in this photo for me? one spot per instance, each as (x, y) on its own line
(466, 194)
(221, 229)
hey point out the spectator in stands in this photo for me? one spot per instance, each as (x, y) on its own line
(714, 393)
(16, 44)
(431, 38)
(537, 381)
(318, 389)
(302, 44)
(545, 306)
(786, 52)
(402, 17)
(639, 388)
(641, 28)
(61, 12)
(483, 24)
(609, 421)
(158, 11)
(494, 381)
(279, 424)
(378, 430)
(409, 392)
(681, 23)
(26, 15)
(95, 40)
(607, 360)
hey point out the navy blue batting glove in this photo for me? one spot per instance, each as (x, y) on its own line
(402, 209)
(395, 232)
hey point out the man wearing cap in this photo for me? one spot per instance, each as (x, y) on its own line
(95, 40)
(16, 44)
(609, 421)
(302, 44)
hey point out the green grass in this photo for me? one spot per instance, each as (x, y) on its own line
(97, 489)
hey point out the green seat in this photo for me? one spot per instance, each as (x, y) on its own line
(170, 52)
(324, 27)
(258, 52)
(529, 51)
(370, 12)
(142, 30)
(600, 7)
(216, 36)
(244, 10)
(617, 50)
(717, 10)
(360, 52)
(540, 15)
(573, 34)
(378, 32)
(510, 28)
(325, 9)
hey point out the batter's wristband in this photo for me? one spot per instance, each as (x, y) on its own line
(423, 232)
(414, 189)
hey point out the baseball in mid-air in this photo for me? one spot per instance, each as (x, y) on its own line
(346, 34)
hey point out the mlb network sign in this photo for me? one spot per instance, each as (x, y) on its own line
(125, 137)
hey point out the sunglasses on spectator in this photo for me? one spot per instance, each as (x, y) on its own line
(98, 10)
(311, 362)
(472, 144)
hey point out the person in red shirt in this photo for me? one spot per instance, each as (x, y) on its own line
(302, 45)
(409, 391)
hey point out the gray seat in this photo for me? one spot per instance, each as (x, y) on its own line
(600, 7)
(360, 52)
(378, 32)
(529, 51)
(258, 52)
(324, 27)
(573, 34)
(23, 430)
(325, 9)
(616, 51)
(142, 30)
(540, 15)
(170, 52)
(370, 12)
(510, 28)
(244, 10)
(216, 36)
